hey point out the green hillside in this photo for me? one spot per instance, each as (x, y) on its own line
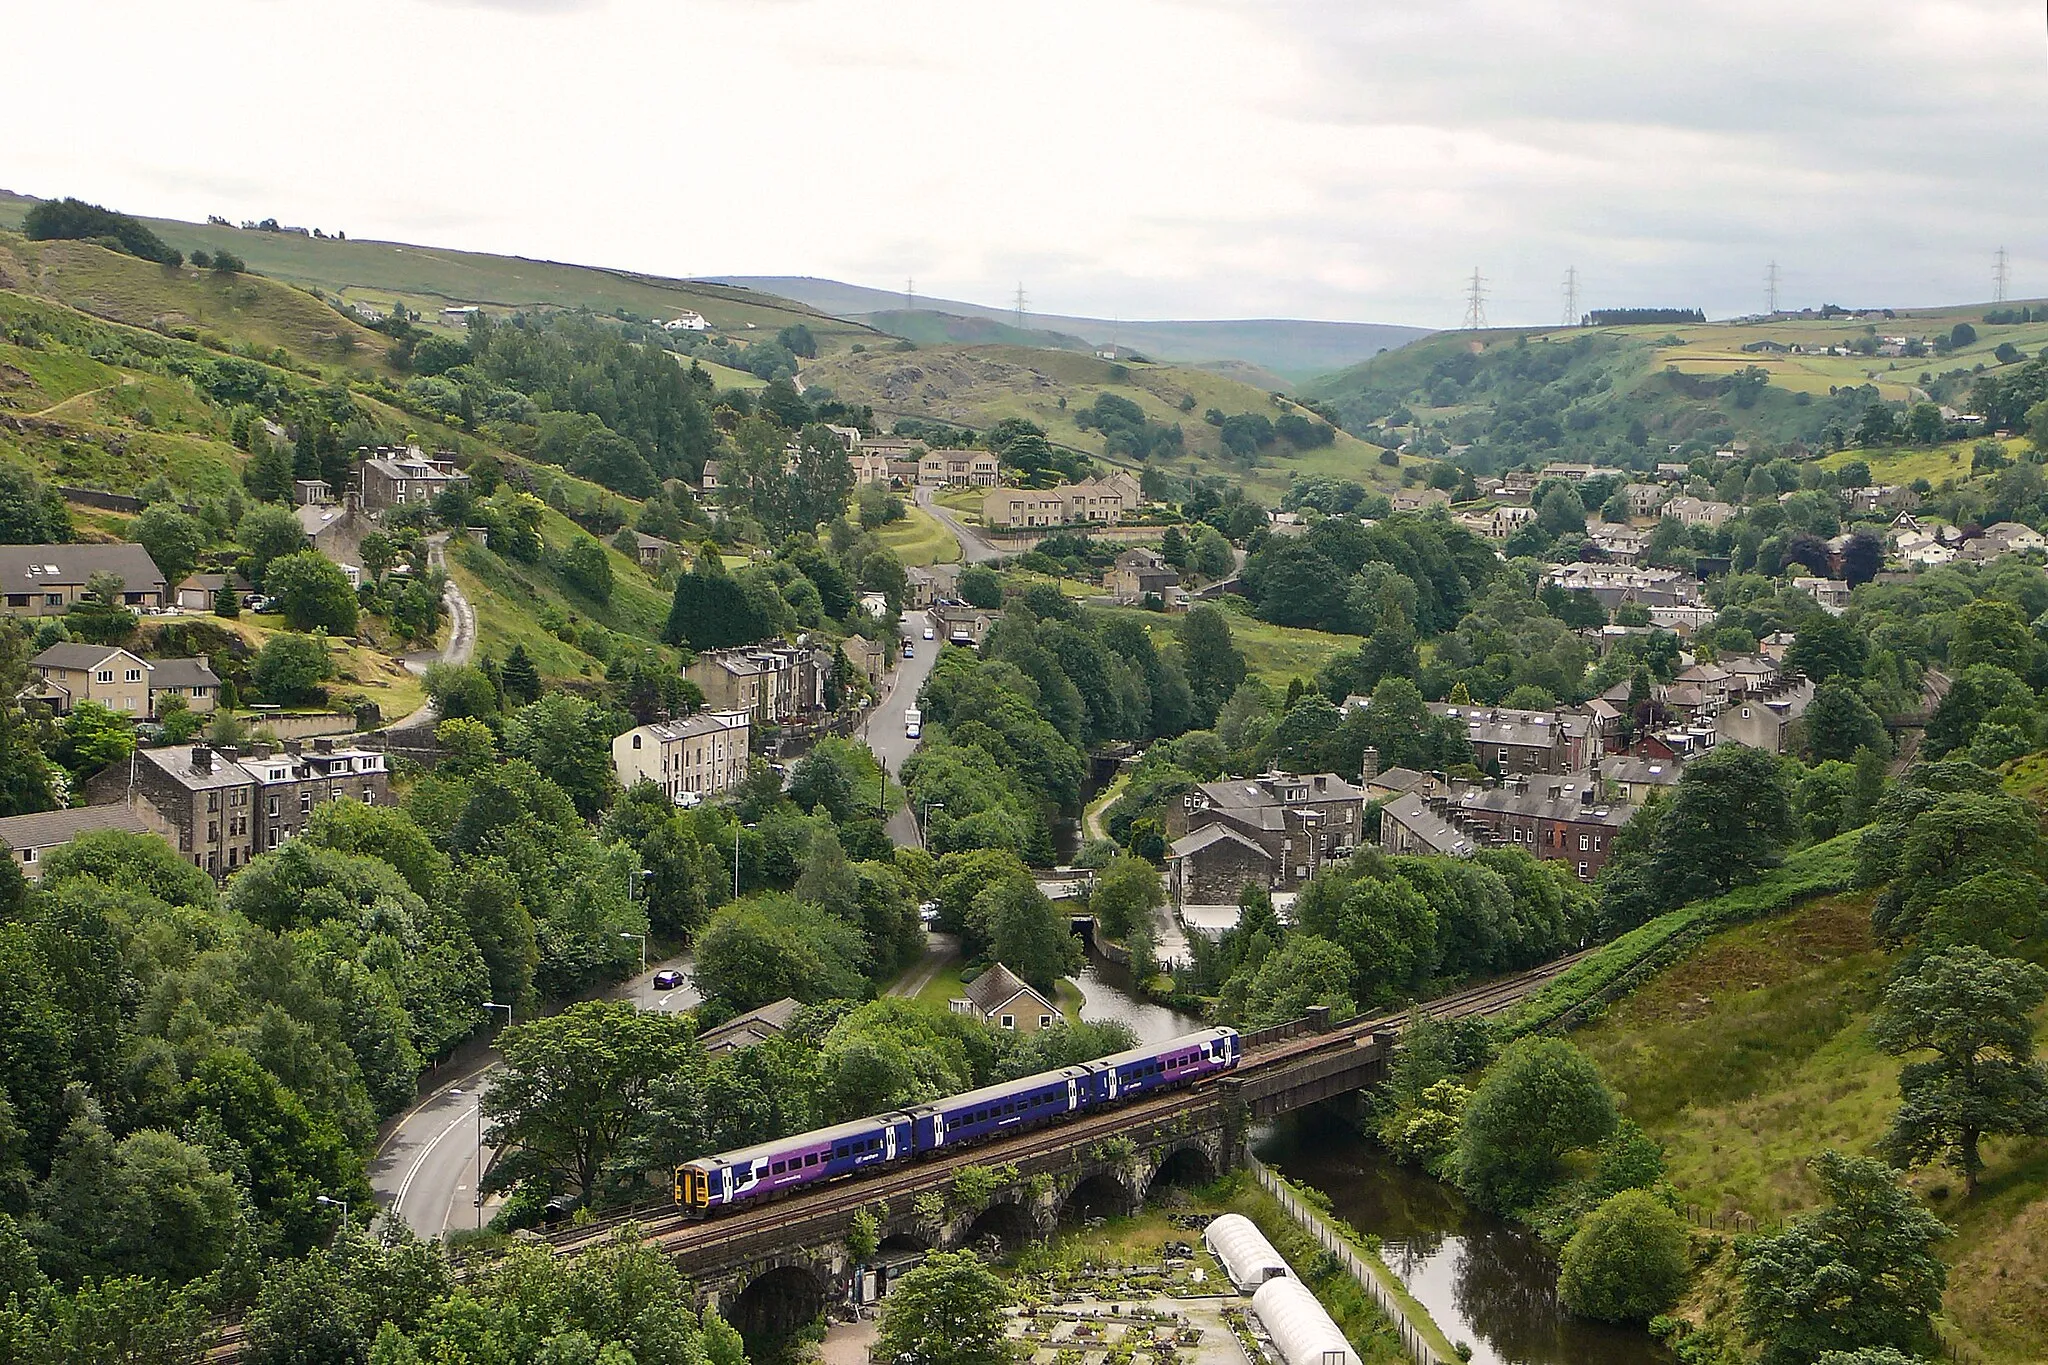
(1628, 395)
(978, 386)
(427, 278)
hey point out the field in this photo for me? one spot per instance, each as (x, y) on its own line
(120, 288)
(1936, 464)
(920, 539)
(1752, 1054)
(430, 278)
(1274, 654)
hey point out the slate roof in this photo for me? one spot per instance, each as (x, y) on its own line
(182, 673)
(989, 991)
(46, 829)
(1214, 833)
(755, 1026)
(76, 657)
(1414, 815)
(31, 567)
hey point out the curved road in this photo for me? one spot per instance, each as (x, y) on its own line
(461, 632)
(972, 547)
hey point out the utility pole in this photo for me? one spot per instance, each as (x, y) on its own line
(2001, 276)
(1571, 296)
(909, 295)
(1771, 287)
(1020, 305)
(1475, 302)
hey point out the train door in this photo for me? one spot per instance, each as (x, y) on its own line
(889, 1142)
(1073, 1095)
(1109, 1083)
(938, 1130)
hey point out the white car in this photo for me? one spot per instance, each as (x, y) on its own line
(928, 633)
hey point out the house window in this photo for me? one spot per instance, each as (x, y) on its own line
(105, 675)
(213, 801)
(636, 741)
(1045, 1021)
(273, 815)
(134, 675)
(213, 862)
(305, 803)
(1585, 842)
(369, 795)
(1009, 1021)
(28, 855)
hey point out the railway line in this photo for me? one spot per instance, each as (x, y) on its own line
(1265, 1050)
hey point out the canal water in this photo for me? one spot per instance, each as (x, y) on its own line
(1486, 1281)
(1109, 994)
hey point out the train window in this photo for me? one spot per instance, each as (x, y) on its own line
(810, 1158)
(779, 1168)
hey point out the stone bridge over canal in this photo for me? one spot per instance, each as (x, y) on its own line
(773, 1268)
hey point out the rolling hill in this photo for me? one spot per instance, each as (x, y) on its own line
(1625, 395)
(1295, 350)
(429, 278)
(978, 386)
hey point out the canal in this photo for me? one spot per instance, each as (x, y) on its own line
(1486, 1281)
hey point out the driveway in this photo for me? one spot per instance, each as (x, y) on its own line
(973, 548)
(461, 644)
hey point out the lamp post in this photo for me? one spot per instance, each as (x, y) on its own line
(341, 1204)
(925, 828)
(643, 949)
(476, 1110)
(494, 1005)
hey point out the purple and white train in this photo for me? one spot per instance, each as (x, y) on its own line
(713, 1184)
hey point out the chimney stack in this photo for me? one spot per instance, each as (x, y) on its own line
(1371, 766)
(202, 759)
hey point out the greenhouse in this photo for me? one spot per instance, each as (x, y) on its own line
(1248, 1258)
(1300, 1329)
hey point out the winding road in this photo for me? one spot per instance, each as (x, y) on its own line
(461, 644)
(973, 548)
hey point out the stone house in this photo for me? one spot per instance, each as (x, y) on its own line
(1139, 573)
(1002, 999)
(28, 838)
(975, 468)
(394, 478)
(695, 757)
(1296, 822)
(773, 682)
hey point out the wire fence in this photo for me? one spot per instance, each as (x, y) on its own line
(1340, 1246)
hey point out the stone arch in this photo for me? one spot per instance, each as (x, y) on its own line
(909, 1240)
(1105, 1194)
(1007, 1223)
(1188, 1164)
(772, 1305)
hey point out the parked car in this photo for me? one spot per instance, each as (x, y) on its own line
(667, 979)
(909, 652)
(928, 633)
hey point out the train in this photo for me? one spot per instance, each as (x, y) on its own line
(713, 1185)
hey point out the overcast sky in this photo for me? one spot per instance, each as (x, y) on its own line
(1341, 159)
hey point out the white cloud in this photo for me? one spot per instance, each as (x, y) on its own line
(1138, 157)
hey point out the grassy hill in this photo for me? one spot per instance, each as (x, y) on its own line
(428, 278)
(1614, 394)
(978, 386)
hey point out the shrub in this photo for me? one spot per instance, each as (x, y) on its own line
(1627, 1261)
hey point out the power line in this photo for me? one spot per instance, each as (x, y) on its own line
(1571, 296)
(1771, 287)
(1475, 302)
(2001, 276)
(1020, 305)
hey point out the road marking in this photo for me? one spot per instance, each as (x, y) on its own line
(405, 1186)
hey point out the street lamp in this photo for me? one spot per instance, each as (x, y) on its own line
(925, 831)
(494, 1005)
(636, 880)
(643, 948)
(341, 1204)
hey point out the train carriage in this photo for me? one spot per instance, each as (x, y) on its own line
(771, 1168)
(1003, 1108)
(1178, 1061)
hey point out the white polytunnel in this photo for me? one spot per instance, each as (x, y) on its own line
(1299, 1326)
(1248, 1258)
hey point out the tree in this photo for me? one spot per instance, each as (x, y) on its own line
(30, 513)
(763, 948)
(710, 609)
(569, 739)
(291, 667)
(1839, 722)
(1971, 1009)
(1542, 1099)
(588, 569)
(268, 533)
(1828, 647)
(1211, 660)
(980, 586)
(173, 539)
(948, 1311)
(1305, 970)
(604, 457)
(92, 738)
(1025, 932)
(75, 220)
(520, 676)
(269, 473)
(1627, 1262)
(1860, 1272)
(312, 592)
(1727, 822)
(1127, 894)
(572, 1083)
(1973, 695)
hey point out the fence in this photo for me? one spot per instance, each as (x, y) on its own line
(1339, 1246)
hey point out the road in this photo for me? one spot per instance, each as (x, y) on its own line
(461, 632)
(883, 729)
(424, 1171)
(972, 547)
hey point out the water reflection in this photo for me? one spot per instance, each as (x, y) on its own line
(1109, 994)
(1485, 1281)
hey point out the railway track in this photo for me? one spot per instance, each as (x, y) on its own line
(660, 1224)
